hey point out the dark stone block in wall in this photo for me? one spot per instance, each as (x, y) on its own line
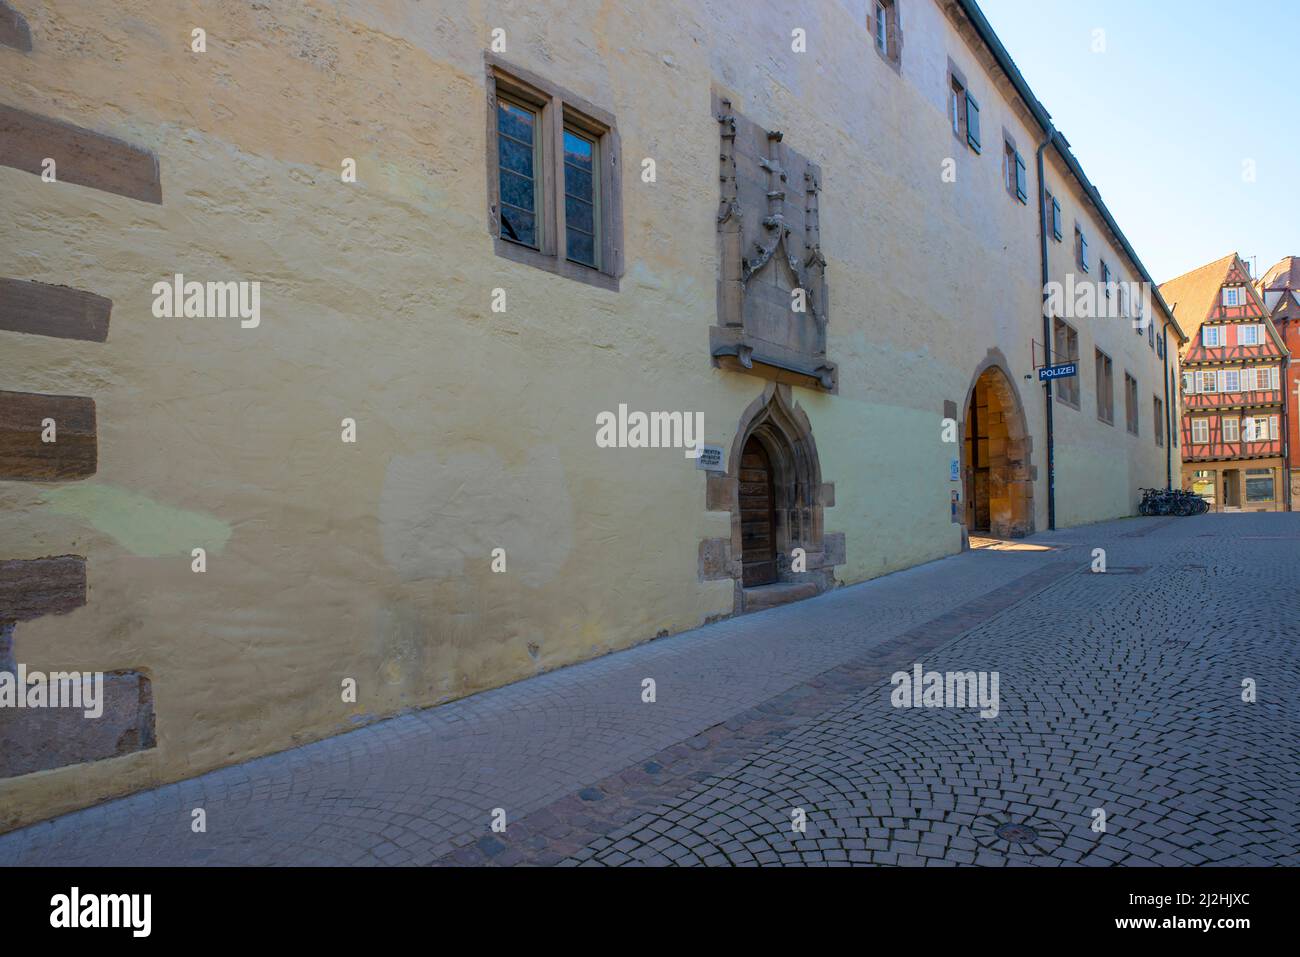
(719, 493)
(14, 31)
(80, 155)
(38, 739)
(35, 587)
(23, 454)
(43, 309)
(836, 552)
(715, 559)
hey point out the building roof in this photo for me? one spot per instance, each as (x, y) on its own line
(1193, 293)
(1284, 275)
(1062, 147)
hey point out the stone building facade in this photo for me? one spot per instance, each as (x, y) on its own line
(475, 231)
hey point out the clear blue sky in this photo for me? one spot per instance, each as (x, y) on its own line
(1164, 118)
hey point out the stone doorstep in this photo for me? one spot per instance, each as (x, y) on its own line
(761, 597)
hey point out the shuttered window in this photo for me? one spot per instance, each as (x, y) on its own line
(972, 122)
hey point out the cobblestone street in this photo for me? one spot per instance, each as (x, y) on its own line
(1119, 693)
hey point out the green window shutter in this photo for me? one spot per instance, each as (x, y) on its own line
(1020, 179)
(972, 123)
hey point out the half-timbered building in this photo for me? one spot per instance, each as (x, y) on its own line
(1234, 412)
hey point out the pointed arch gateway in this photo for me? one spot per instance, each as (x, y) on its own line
(774, 491)
(997, 472)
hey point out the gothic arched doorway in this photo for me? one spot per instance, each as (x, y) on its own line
(998, 476)
(777, 550)
(757, 515)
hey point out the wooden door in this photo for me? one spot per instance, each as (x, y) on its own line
(757, 516)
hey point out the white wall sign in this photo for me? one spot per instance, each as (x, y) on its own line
(710, 458)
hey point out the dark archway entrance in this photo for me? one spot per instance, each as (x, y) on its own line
(757, 515)
(998, 476)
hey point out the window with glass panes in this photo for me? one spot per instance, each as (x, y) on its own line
(519, 166)
(581, 199)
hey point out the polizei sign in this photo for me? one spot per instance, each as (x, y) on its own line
(1062, 370)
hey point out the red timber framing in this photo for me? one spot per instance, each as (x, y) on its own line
(1224, 366)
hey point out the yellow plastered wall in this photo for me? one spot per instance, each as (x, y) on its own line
(475, 430)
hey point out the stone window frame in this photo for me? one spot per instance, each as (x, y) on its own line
(1015, 176)
(1106, 391)
(957, 85)
(1132, 405)
(1052, 213)
(1067, 390)
(558, 110)
(893, 52)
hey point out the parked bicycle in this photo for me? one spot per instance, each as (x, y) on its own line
(1176, 501)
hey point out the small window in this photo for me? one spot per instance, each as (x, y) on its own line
(1151, 334)
(1160, 345)
(1230, 380)
(1056, 221)
(1159, 420)
(1248, 335)
(581, 199)
(957, 107)
(1013, 172)
(1105, 388)
(1189, 383)
(1067, 350)
(1200, 431)
(972, 122)
(1081, 248)
(1212, 336)
(1209, 381)
(1231, 429)
(519, 163)
(553, 178)
(1131, 403)
(1232, 296)
(885, 32)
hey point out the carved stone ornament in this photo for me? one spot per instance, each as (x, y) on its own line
(772, 297)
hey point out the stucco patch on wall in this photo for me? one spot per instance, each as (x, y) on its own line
(138, 523)
(441, 512)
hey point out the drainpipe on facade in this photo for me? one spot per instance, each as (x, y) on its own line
(1169, 435)
(1047, 330)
